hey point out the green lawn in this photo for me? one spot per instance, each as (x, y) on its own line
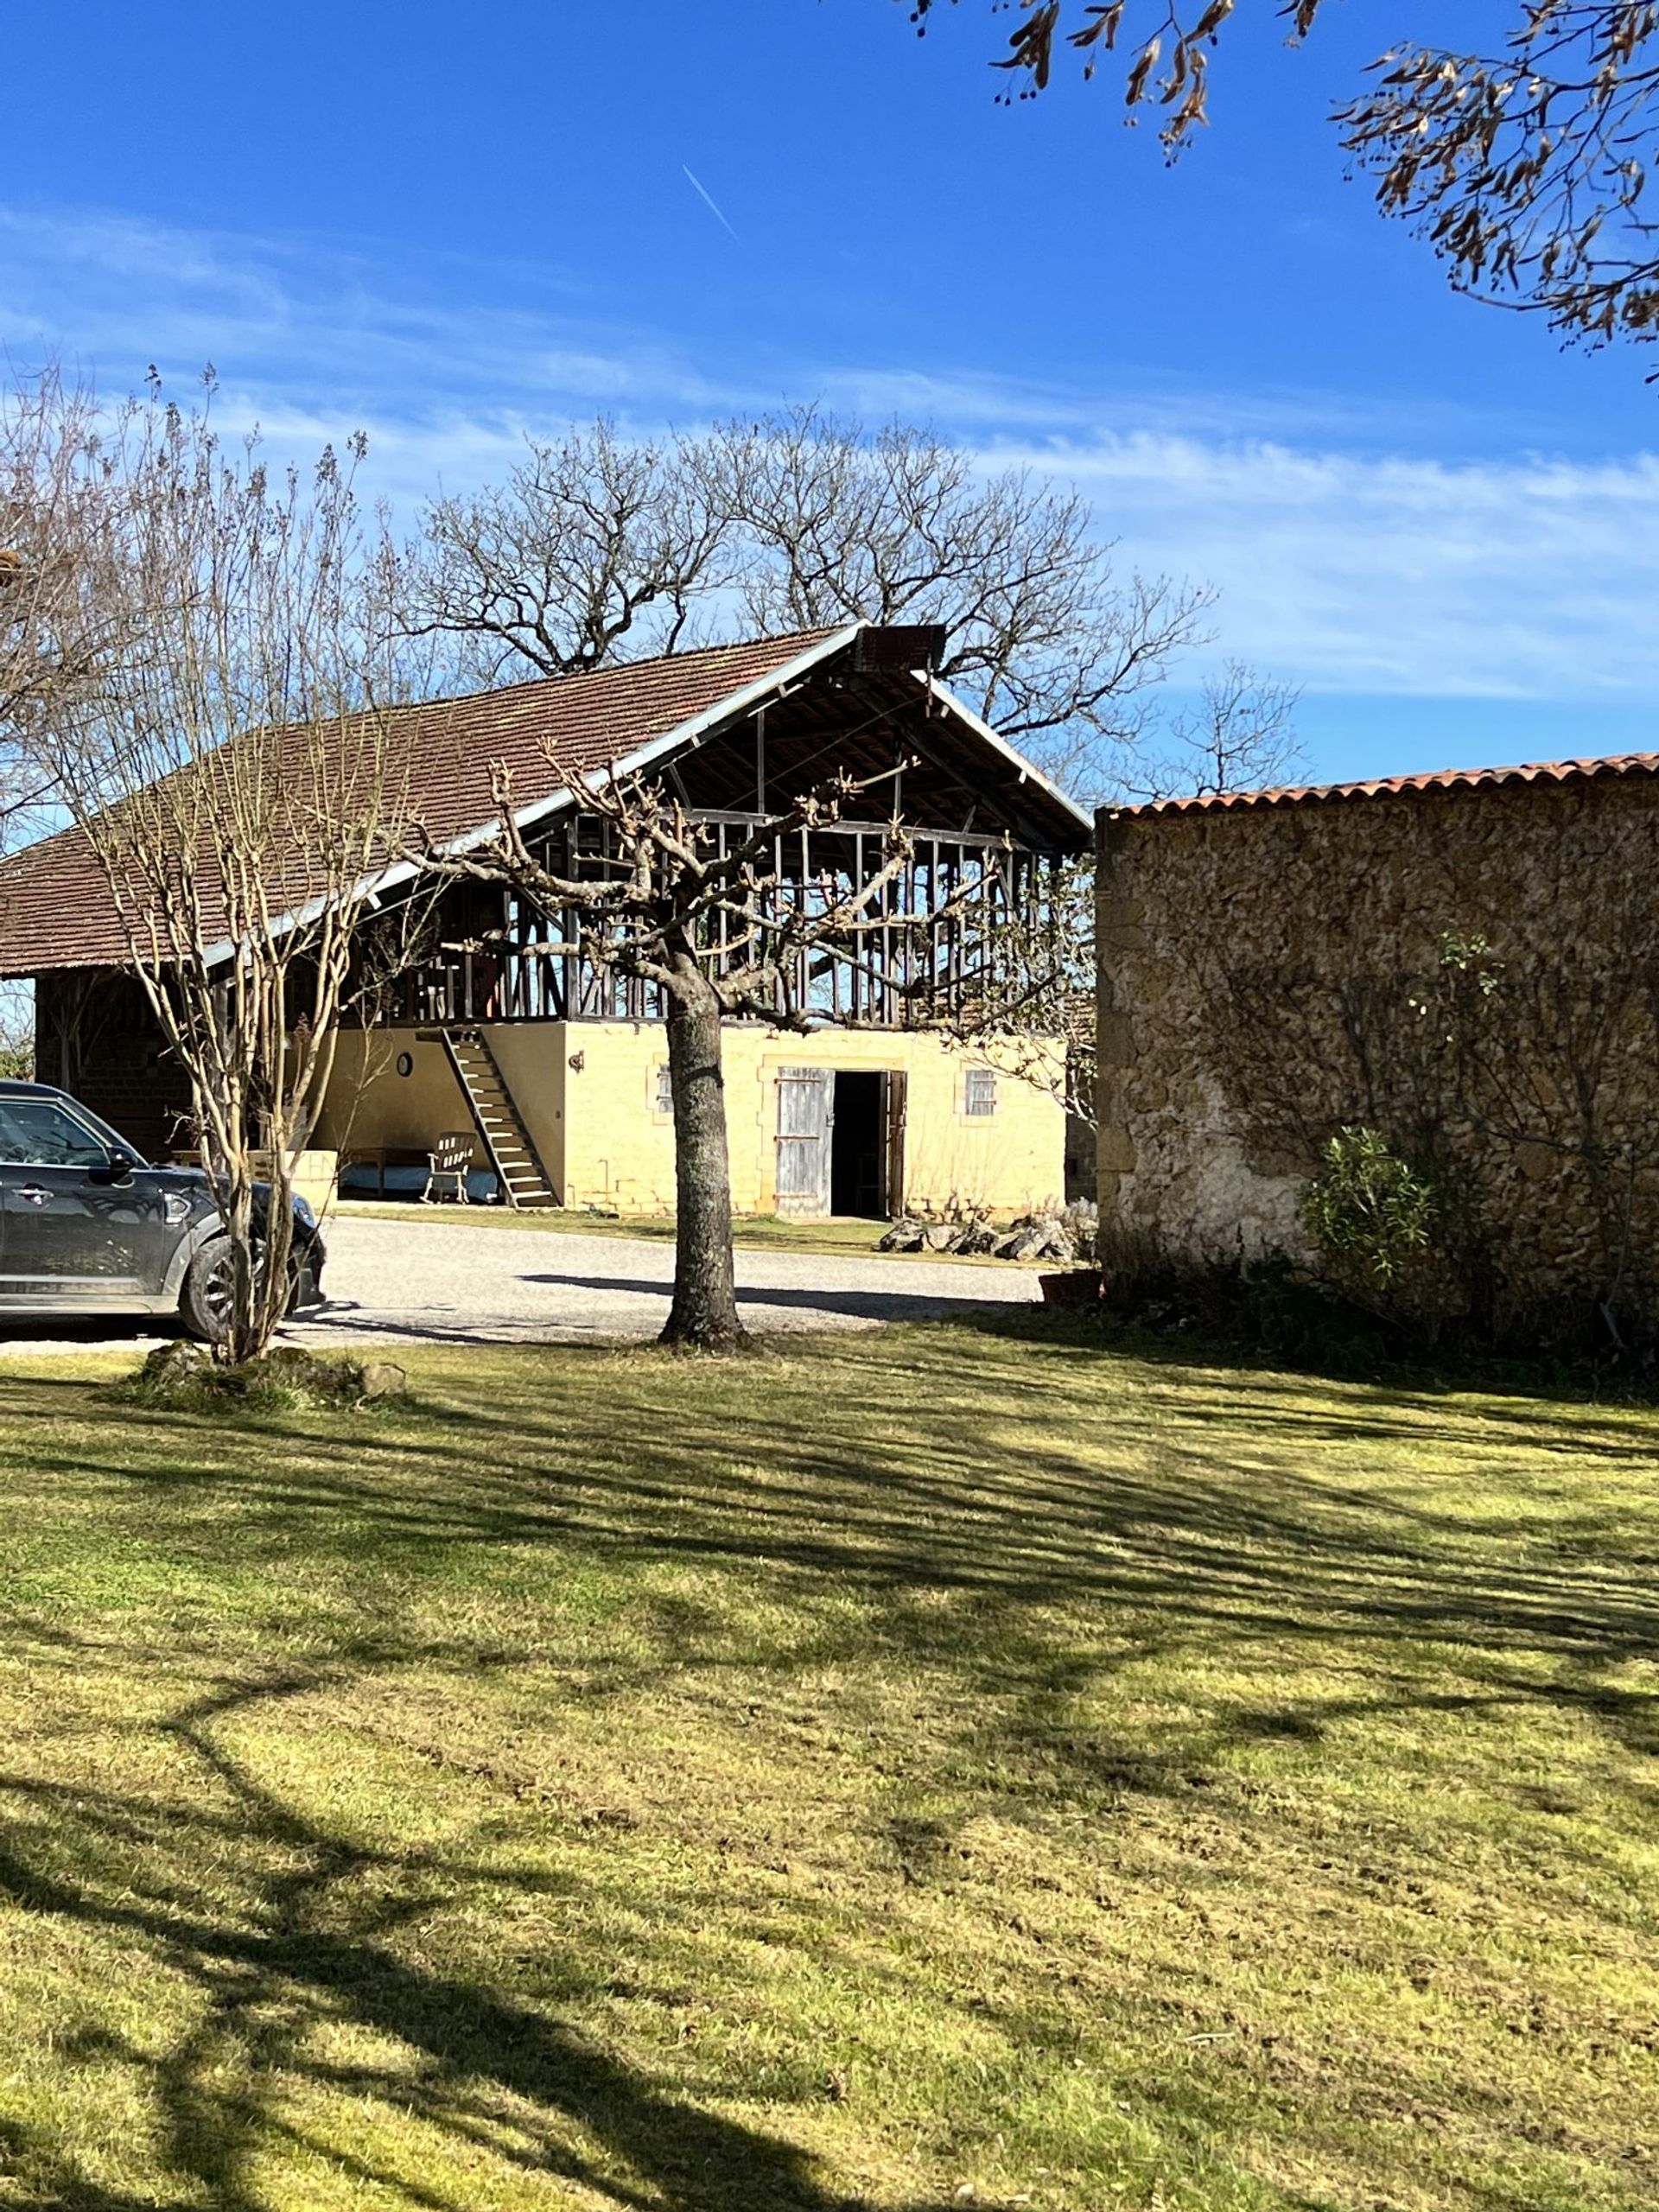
(904, 1771)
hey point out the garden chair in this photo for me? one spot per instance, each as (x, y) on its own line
(446, 1168)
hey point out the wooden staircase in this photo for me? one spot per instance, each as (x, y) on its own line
(513, 1152)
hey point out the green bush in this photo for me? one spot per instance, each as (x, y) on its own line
(1369, 1208)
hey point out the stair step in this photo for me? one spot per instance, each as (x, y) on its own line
(495, 1115)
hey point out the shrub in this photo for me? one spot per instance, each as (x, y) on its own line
(184, 1378)
(1368, 1210)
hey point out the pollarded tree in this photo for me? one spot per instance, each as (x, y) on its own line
(718, 933)
(1526, 169)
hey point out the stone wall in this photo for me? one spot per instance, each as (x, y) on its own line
(1474, 972)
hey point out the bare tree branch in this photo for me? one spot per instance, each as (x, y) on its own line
(719, 934)
(597, 549)
(1525, 170)
(223, 749)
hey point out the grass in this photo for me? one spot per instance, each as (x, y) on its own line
(925, 1768)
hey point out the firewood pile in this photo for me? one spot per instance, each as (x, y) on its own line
(1062, 1234)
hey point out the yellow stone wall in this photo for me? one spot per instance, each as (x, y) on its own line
(619, 1148)
(604, 1142)
(369, 1103)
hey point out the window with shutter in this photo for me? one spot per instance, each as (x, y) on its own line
(979, 1091)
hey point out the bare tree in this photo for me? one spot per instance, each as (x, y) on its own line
(59, 618)
(230, 770)
(595, 550)
(717, 934)
(1525, 170)
(16, 1033)
(1047, 639)
(1239, 736)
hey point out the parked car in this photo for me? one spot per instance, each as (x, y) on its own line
(87, 1226)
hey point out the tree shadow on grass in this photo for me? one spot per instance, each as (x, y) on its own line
(310, 1947)
(937, 1500)
(851, 1301)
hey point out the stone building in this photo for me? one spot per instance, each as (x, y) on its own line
(1466, 963)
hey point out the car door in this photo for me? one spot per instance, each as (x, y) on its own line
(71, 1227)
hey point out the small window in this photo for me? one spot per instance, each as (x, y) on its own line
(979, 1091)
(34, 1133)
(664, 1091)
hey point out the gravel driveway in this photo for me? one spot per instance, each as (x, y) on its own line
(447, 1278)
(461, 1280)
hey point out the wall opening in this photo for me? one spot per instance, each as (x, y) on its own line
(858, 1147)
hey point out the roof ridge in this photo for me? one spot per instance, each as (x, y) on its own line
(1587, 768)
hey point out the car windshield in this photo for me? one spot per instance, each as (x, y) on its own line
(113, 1138)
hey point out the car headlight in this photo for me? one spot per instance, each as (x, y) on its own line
(302, 1212)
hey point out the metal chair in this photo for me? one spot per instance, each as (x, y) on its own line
(447, 1167)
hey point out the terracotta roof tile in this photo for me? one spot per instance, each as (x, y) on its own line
(1445, 779)
(56, 907)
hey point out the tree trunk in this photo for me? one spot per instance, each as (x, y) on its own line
(704, 1317)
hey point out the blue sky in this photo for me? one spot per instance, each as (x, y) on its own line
(449, 226)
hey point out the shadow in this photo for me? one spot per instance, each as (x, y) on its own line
(852, 1304)
(304, 1952)
(1002, 1527)
(89, 1329)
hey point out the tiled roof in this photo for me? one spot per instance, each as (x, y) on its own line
(1445, 779)
(55, 906)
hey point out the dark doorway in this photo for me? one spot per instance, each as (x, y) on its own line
(858, 1147)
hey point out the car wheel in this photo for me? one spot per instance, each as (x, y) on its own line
(207, 1297)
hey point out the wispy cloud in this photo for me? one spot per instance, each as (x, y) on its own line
(1354, 551)
(1534, 578)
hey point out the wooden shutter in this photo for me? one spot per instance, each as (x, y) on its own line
(805, 1117)
(895, 1095)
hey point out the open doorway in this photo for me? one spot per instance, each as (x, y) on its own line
(858, 1146)
(841, 1141)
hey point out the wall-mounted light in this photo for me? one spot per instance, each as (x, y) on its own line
(578, 1061)
(406, 1063)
